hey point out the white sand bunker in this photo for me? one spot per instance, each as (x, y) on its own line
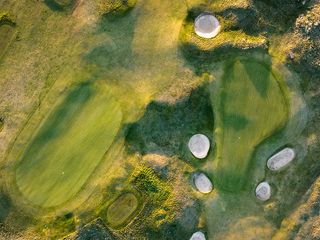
(199, 145)
(198, 236)
(263, 191)
(281, 159)
(203, 183)
(206, 25)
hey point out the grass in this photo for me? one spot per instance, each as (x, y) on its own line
(7, 32)
(122, 210)
(250, 106)
(68, 145)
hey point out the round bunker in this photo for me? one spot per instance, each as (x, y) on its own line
(281, 159)
(203, 183)
(206, 25)
(199, 145)
(198, 236)
(263, 191)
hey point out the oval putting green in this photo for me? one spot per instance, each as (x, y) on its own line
(68, 145)
(122, 209)
(250, 107)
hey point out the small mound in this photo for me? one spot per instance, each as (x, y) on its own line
(203, 183)
(198, 236)
(281, 159)
(122, 210)
(199, 145)
(263, 191)
(206, 25)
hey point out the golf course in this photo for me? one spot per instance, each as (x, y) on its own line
(159, 120)
(68, 146)
(250, 106)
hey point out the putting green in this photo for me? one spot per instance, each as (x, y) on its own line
(68, 145)
(251, 107)
(122, 209)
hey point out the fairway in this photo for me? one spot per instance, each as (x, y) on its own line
(68, 145)
(251, 107)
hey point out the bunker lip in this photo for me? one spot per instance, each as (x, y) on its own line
(206, 25)
(281, 159)
(263, 191)
(198, 236)
(199, 145)
(202, 183)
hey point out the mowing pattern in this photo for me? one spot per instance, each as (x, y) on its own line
(68, 146)
(251, 107)
(122, 209)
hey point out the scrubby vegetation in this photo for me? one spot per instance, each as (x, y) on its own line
(115, 7)
(59, 227)
(60, 5)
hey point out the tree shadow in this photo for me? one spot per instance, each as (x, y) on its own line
(260, 79)
(235, 121)
(166, 128)
(5, 207)
(116, 51)
(60, 6)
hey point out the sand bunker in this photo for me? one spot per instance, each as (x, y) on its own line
(206, 25)
(281, 159)
(203, 183)
(263, 191)
(199, 145)
(198, 236)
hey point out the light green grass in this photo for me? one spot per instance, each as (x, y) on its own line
(122, 209)
(68, 146)
(250, 107)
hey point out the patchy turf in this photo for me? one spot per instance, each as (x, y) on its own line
(249, 107)
(68, 146)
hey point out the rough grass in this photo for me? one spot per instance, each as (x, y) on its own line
(122, 210)
(7, 32)
(250, 106)
(68, 146)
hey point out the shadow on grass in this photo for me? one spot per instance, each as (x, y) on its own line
(116, 51)
(60, 5)
(166, 128)
(5, 207)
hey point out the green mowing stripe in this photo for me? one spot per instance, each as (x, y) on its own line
(251, 107)
(68, 145)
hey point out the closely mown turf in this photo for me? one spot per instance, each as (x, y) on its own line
(69, 145)
(249, 107)
(122, 209)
